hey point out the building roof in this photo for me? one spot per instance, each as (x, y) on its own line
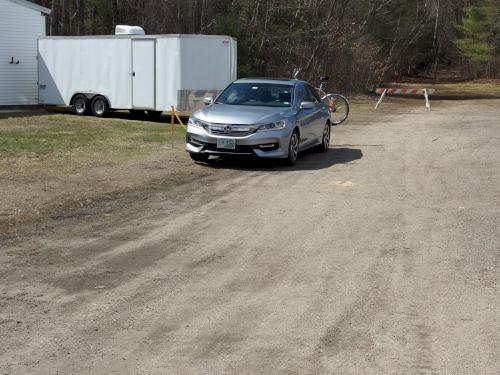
(29, 4)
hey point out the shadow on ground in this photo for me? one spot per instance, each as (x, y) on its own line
(22, 112)
(308, 161)
(121, 115)
(125, 115)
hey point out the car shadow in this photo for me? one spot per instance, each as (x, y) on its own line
(308, 161)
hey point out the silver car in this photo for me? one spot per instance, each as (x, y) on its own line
(268, 118)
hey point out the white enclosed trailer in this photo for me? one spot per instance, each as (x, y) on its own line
(135, 72)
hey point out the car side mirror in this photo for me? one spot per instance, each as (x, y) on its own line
(207, 100)
(307, 105)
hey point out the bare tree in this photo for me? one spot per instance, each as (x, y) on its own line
(358, 42)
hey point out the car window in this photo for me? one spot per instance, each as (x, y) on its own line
(315, 94)
(310, 95)
(257, 94)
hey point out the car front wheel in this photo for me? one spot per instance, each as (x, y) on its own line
(325, 142)
(293, 149)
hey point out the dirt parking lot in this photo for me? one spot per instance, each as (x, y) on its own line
(378, 257)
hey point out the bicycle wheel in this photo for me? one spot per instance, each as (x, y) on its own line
(338, 106)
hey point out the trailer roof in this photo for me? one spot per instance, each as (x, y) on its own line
(158, 36)
(29, 4)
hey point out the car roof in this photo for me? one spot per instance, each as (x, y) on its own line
(279, 81)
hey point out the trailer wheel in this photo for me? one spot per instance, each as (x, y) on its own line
(100, 106)
(80, 105)
(154, 114)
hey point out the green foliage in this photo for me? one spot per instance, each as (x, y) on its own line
(231, 25)
(479, 33)
(102, 16)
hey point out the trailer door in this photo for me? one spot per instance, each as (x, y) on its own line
(143, 73)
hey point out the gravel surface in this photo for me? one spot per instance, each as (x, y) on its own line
(378, 257)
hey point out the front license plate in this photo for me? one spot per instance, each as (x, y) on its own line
(229, 144)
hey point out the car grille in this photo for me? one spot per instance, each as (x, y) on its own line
(243, 150)
(230, 130)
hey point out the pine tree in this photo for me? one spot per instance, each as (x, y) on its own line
(479, 33)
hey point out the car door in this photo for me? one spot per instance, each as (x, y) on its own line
(321, 114)
(307, 117)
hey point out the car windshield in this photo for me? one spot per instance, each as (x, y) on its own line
(257, 94)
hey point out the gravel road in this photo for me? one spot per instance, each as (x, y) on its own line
(379, 257)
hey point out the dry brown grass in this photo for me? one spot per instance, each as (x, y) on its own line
(52, 164)
(478, 89)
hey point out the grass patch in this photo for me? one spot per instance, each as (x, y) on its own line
(480, 87)
(62, 133)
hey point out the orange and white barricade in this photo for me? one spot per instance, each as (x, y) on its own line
(396, 91)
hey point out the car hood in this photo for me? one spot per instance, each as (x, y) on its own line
(241, 115)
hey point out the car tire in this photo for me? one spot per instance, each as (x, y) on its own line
(293, 148)
(80, 105)
(100, 106)
(325, 140)
(200, 158)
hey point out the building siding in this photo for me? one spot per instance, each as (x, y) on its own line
(20, 28)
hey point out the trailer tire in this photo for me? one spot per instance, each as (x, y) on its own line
(80, 105)
(100, 106)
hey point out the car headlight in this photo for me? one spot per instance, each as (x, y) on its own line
(281, 124)
(193, 121)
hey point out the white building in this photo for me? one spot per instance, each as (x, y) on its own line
(21, 23)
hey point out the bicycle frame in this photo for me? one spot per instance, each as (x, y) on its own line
(333, 98)
(321, 90)
(296, 72)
